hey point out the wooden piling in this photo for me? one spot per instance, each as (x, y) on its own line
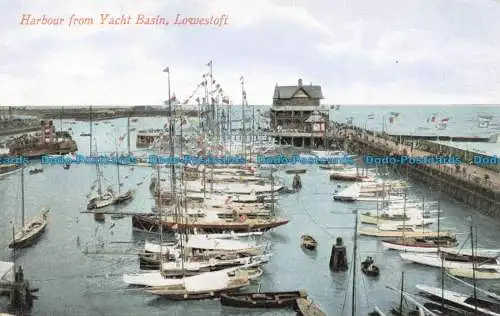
(338, 257)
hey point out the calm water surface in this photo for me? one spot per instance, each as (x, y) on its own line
(72, 283)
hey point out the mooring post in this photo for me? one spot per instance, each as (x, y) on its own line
(338, 257)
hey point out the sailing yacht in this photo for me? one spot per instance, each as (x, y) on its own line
(31, 230)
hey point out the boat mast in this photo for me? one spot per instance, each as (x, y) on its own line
(442, 256)
(243, 130)
(90, 131)
(158, 185)
(98, 171)
(61, 117)
(354, 261)
(128, 133)
(473, 265)
(404, 213)
(22, 196)
(117, 166)
(402, 291)
(171, 134)
(272, 192)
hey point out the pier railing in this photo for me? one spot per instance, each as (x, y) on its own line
(488, 180)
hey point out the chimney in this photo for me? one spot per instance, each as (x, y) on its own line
(300, 82)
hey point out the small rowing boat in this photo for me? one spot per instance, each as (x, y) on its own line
(308, 242)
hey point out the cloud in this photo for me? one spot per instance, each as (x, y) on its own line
(361, 51)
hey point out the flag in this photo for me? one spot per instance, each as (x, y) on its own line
(225, 100)
(121, 138)
(395, 114)
(173, 98)
(433, 119)
(198, 100)
(371, 116)
(392, 119)
(209, 64)
(445, 120)
(167, 70)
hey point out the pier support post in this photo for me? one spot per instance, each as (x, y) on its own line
(338, 257)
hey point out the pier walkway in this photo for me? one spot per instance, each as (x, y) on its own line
(468, 172)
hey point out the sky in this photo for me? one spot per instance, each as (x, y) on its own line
(359, 51)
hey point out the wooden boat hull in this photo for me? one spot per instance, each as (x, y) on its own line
(182, 295)
(344, 177)
(308, 242)
(374, 272)
(435, 261)
(376, 221)
(150, 223)
(124, 197)
(389, 233)
(305, 307)
(480, 274)
(458, 300)
(262, 300)
(23, 240)
(421, 247)
(296, 171)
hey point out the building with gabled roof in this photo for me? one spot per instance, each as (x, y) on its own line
(297, 117)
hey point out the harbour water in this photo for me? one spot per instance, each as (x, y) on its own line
(74, 283)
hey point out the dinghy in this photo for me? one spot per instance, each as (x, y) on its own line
(368, 267)
(308, 242)
(262, 299)
(460, 300)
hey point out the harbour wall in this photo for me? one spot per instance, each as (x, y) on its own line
(473, 185)
(97, 113)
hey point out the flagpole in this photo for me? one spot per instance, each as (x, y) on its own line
(212, 114)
